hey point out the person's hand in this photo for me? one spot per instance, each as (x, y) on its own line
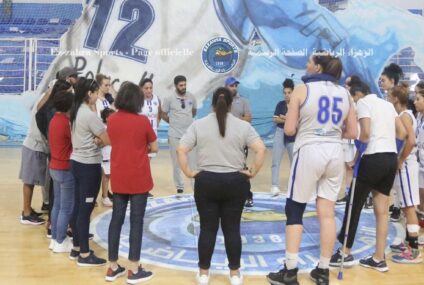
(98, 142)
(193, 173)
(400, 164)
(350, 164)
(248, 173)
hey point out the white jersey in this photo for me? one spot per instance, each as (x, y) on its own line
(413, 154)
(322, 114)
(101, 104)
(420, 140)
(151, 110)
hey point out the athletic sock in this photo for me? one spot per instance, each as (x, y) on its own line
(324, 262)
(291, 260)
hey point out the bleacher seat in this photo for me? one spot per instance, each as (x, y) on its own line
(29, 21)
(66, 22)
(17, 21)
(42, 21)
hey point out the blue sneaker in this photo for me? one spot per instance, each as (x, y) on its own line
(140, 276)
(369, 262)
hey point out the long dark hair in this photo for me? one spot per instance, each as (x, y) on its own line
(82, 88)
(330, 64)
(221, 102)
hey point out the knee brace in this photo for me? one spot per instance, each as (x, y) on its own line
(294, 212)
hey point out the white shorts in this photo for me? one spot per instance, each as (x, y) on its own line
(406, 185)
(349, 152)
(421, 179)
(106, 167)
(317, 170)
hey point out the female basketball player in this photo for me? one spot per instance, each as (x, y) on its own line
(322, 112)
(390, 78)
(379, 128)
(406, 182)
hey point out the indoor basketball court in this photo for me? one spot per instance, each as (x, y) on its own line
(257, 50)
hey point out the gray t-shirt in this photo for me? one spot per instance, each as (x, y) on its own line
(86, 126)
(240, 106)
(214, 152)
(34, 139)
(180, 112)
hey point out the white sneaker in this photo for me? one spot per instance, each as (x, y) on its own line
(65, 246)
(274, 191)
(52, 244)
(202, 279)
(236, 280)
(107, 202)
(421, 240)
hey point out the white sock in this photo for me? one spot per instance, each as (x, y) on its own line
(291, 260)
(324, 262)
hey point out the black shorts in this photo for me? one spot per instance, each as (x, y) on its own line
(378, 171)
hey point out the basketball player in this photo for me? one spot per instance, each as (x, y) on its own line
(390, 78)
(380, 126)
(348, 150)
(406, 182)
(419, 105)
(104, 101)
(419, 95)
(152, 106)
(322, 112)
(151, 109)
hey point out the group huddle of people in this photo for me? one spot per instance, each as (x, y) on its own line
(94, 138)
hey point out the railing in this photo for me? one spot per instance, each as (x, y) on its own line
(23, 62)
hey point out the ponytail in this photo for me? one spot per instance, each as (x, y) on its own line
(221, 103)
(330, 64)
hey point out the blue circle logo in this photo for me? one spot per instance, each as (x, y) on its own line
(171, 231)
(220, 55)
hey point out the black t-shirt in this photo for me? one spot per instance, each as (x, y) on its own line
(281, 109)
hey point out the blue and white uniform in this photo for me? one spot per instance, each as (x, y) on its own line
(318, 164)
(151, 110)
(406, 181)
(420, 148)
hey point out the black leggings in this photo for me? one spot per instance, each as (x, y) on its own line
(220, 197)
(87, 186)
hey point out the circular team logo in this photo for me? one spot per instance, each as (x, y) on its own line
(171, 231)
(220, 55)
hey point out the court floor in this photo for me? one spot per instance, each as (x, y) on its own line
(25, 259)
